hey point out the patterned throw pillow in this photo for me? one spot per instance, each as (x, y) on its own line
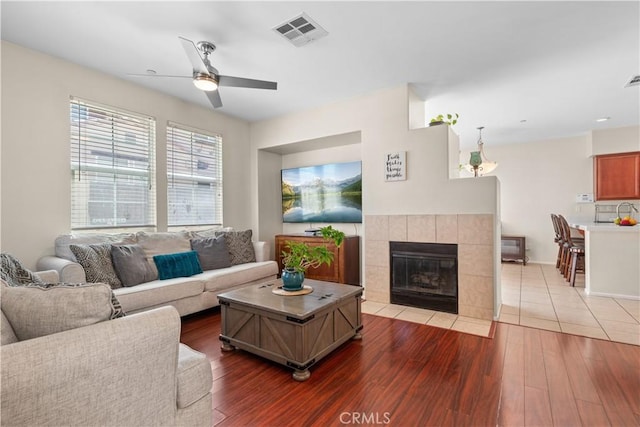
(14, 273)
(46, 308)
(97, 264)
(212, 252)
(240, 246)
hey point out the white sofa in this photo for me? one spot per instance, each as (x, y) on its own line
(187, 294)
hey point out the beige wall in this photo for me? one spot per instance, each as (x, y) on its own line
(537, 179)
(383, 120)
(618, 140)
(34, 158)
(542, 177)
(35, 146)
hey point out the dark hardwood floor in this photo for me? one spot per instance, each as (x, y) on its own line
(406, 374)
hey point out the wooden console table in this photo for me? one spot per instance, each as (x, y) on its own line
(345, 267)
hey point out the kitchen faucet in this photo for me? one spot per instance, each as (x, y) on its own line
(623, 204)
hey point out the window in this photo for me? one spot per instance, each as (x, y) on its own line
(112, 167)
(194, 175)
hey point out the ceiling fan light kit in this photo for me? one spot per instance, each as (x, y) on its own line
(205, 82)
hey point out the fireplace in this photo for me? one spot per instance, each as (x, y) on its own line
(425, 275)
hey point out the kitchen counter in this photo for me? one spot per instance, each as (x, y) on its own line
(603, 226)
(612, 259)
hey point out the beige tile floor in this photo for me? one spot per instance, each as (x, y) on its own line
(536, 295)
(428, 317)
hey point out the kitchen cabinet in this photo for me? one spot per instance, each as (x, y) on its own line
(345, 267)
(617, 176)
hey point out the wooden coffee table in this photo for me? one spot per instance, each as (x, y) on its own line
(295, 331)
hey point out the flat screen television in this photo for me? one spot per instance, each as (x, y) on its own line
(322, 193)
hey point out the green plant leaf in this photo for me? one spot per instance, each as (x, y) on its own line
(301, 256)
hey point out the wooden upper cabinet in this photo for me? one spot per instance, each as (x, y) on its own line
(617, 176)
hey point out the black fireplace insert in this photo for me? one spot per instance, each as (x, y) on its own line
(425, 275)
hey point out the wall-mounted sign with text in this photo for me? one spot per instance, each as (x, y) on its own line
(395, 166)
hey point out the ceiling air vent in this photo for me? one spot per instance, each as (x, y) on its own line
(300, 30)
(633, 81)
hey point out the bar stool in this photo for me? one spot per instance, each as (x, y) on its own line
(573, 252)
(563, 247)
(558, 238)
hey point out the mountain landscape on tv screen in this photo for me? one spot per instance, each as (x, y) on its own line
(321, 197)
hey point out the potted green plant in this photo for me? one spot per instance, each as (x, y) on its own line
(300, 256)
(450, 119)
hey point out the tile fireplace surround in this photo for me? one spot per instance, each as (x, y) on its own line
(473, 233)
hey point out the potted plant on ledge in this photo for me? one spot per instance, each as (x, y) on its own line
(450, 119)
(300, 256)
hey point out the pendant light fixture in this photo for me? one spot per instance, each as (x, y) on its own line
(478, 163)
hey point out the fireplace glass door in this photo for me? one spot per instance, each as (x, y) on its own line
(424, 275)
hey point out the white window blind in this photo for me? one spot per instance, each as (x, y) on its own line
(112, 167)
(194, 169)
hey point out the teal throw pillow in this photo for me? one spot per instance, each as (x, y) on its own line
(181, 264)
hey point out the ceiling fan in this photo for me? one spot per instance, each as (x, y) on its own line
(206, 78)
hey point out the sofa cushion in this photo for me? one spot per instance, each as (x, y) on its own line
(7, 335)
(14, 273)
(208, 232)
(163, 243)
(212, 252)
(63, 242)
(97, 264)
(158, 292)
(43, 309)
(240, 246)
(181, 264)
(216, 280)
(131, 266)
(194, 376)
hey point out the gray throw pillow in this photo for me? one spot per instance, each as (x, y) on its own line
(14, 273)
(97, 264)
(42, 309)
(240, 246)
(212, 252)
(131, 265)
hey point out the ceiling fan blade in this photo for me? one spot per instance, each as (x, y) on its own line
(158, 75)
(242, 82)
(214, 98)
(194, 56)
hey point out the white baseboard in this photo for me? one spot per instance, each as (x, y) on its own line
(605, 294)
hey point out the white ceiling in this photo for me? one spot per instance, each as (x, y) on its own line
(557, 65)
